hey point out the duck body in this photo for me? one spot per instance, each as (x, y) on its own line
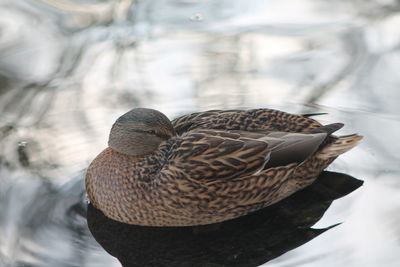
(207, 167)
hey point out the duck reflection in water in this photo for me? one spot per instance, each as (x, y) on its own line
(250, 240)
(213, 174)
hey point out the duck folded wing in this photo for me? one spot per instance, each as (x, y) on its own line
(245, 120)
(215, 155)
(212, 155)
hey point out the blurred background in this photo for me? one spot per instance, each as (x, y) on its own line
(69, 68)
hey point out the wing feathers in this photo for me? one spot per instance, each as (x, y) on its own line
(247, 120)
(211, 154)
(295, 148)
(217, 155)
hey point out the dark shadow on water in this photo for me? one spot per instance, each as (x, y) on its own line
(247, 241)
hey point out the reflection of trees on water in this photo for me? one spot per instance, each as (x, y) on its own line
(239, 62)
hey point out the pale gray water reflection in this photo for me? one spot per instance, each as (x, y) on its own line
(68, 68)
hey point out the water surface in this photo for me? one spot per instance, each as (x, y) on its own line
(69, 68)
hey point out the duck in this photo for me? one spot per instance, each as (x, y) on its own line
(208, 167)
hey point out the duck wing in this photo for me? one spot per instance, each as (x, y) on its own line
(245, 120)
(212, 155)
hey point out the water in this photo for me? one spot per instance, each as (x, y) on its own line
(69, 68)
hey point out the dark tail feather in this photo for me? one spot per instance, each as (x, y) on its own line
(328, 129)
(314, 114)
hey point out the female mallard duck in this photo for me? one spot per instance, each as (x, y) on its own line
(207, 167)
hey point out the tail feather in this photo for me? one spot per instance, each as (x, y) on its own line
(328, 129)
(314, 114)
(341, 145)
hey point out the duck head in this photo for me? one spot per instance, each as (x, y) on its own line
(140, 131)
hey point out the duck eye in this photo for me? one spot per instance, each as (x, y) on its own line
(151, 132)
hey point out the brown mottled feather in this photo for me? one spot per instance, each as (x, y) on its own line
(219, 166)
(248, 120)
(218, 155)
